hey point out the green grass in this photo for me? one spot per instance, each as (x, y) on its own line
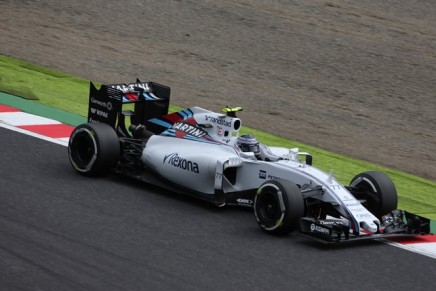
(46, 86)
(70, 94)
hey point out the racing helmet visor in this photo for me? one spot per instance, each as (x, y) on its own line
(250, 148)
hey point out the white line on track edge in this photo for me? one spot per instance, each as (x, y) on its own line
(37, 135)
(413, 248)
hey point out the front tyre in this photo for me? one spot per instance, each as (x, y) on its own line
(278, 206)
(94, 149)
(378, 191)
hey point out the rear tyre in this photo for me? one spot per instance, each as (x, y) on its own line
(94, 149)
(378, 191)
(278, 206)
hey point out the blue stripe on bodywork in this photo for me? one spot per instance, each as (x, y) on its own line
(149, 96)
(161, 123)
(169, 132)
(188, 113)
(183, 114)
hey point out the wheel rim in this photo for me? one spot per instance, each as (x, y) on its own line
(83, 150)
(269, 209)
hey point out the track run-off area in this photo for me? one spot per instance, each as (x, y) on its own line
(62, 231)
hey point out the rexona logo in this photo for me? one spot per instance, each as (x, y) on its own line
(175, 160)
(189, 129)
(317, 228)
(220, 121)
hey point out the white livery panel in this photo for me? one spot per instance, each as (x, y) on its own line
(185, 163)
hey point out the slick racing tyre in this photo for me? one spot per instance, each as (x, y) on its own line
(377, 190)
(278, 206)
(94, 149)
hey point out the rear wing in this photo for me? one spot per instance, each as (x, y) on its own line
(150, 100)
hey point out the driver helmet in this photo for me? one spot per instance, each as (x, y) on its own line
(248, 143)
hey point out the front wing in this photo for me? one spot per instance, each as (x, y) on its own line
(336, 231)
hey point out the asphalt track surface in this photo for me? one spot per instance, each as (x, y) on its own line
(63, 231)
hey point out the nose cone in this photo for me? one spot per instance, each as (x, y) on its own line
(369, 226)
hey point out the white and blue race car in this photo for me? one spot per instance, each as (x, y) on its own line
(201, 153)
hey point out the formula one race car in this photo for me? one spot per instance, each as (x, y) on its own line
(201, 153)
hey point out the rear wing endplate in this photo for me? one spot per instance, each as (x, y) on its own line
(150, 100)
